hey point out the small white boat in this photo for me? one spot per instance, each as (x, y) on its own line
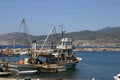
(117, 77)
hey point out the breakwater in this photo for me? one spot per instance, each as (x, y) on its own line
(86, 48)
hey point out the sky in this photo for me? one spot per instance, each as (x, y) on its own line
(42, 15)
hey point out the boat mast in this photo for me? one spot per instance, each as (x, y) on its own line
(62, 31)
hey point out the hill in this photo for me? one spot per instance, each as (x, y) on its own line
(107, 36)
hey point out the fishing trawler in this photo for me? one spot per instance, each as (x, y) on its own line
(57, 59)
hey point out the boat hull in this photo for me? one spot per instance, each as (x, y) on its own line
(22, 66)
(57, 68)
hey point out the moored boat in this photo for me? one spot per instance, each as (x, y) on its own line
(59, 59)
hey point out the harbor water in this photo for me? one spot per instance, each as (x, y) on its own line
(102, 65)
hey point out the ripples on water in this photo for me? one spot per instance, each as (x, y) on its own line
(100, 65)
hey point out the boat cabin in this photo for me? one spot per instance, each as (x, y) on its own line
(65, 48)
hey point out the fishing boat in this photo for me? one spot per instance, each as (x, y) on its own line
(57, 59)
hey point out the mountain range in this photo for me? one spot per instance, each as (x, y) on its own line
(109, 36)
